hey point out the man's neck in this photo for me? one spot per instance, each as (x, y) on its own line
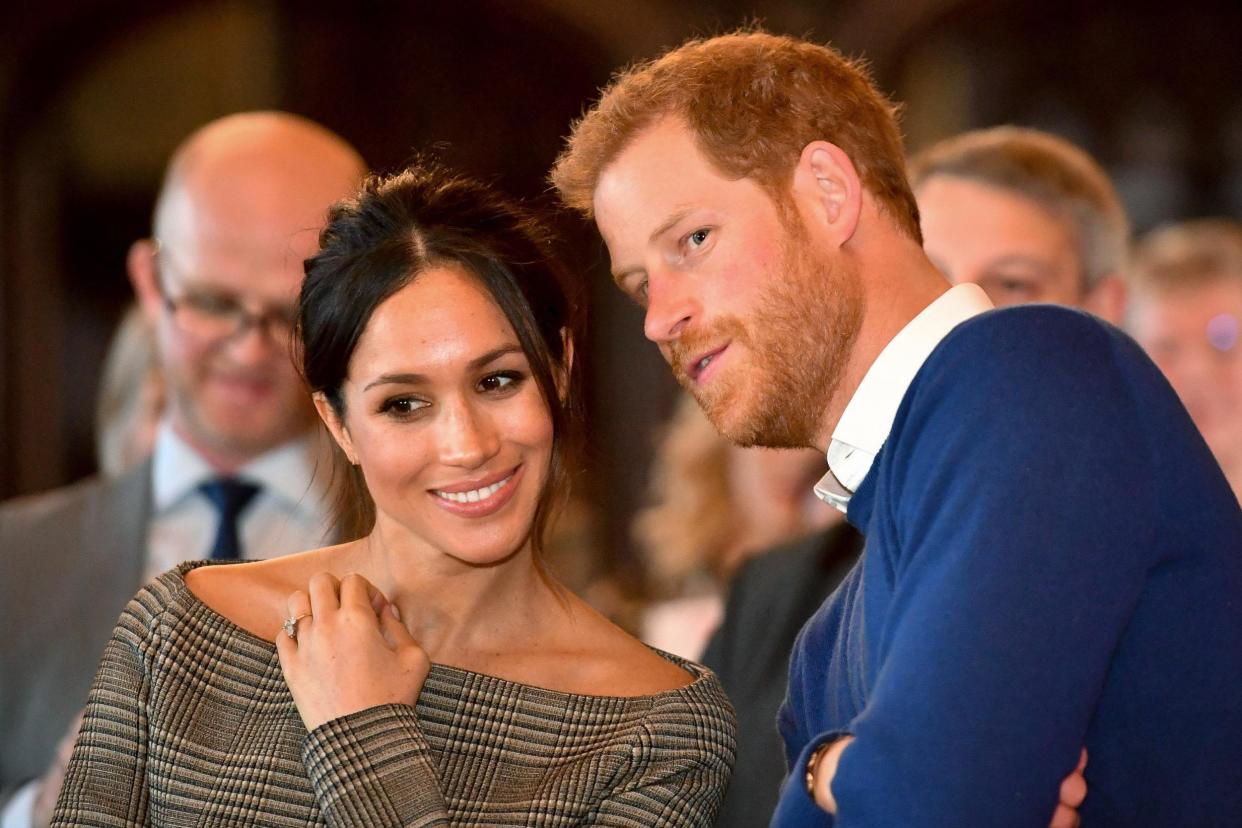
(898, 286)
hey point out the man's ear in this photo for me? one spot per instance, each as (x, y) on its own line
(144, 276)
(828, 191)
(1107, 298)
(335, 426)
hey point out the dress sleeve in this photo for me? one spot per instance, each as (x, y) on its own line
(374, 768)
(1021, 516)
(106, 782)
(682, 765)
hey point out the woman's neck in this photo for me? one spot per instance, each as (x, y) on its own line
(452, 608)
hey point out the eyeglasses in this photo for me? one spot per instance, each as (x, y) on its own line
(218, 316)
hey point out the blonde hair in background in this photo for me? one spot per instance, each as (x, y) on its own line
(689, 522)
(1189, 254)
(1048, 170)
(131, 397)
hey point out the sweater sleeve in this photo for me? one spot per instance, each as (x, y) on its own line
(374, 768)
(106, 782)
(1019, 518)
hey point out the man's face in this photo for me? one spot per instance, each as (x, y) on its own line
(1009, 245)
(240, 395)
(754, 321)
(1192, 334)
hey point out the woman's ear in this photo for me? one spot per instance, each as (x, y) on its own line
(339, 432)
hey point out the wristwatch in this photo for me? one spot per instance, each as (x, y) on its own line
(812, 763)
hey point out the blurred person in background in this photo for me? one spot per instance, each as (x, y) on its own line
(131, 397)
(1027, 216)
(1185, 309)
(232, 473)
(711, 506)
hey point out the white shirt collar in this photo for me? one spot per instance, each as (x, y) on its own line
(178, 470)
(868, 418)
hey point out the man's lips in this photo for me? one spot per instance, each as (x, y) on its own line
(244, 386)
(697, 369)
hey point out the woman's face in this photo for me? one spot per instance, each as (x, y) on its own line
(445, 419)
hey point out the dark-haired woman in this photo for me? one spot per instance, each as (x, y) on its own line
(432, 672)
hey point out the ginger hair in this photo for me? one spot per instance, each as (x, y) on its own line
(753, 101)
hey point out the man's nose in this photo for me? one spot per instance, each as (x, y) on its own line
(255, 343)
(671, 307)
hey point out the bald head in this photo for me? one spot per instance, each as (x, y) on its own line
(242, 205)
(271, 172)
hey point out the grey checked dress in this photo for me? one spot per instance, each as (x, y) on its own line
(190, 722)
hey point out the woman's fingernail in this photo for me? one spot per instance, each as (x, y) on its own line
(396, 613)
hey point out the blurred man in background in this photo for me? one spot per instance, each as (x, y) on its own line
(1027, 216)
(1185, 309)
(232, 474)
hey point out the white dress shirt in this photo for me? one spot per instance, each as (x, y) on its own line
(868, 418)
(289, 513)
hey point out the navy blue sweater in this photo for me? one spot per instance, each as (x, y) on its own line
(1053, 560)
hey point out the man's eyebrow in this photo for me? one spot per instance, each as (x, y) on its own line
(418, 379)
(672, 221)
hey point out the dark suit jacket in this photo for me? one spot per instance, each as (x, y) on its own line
(69, 561)
(771, 597)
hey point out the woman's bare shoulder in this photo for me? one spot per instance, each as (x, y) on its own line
(253, 594)
(622, 665)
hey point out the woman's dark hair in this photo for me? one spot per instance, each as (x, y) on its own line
(404, 224)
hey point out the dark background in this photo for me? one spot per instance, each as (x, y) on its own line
(94, 96)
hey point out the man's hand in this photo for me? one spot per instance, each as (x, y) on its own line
(54, 777)
(1073, 787)
(1073, 792)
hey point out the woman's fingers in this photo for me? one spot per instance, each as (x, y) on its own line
(324, 594)
(358, 593)
(395, 633)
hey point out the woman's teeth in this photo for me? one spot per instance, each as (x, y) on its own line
(475, 495)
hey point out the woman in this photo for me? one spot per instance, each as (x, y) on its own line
(430, 673)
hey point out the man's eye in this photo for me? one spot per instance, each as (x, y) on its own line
(698, 238)
(212, 304)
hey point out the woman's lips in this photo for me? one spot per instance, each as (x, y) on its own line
(480, 498)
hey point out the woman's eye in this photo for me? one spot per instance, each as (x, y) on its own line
(402, 406)
(502, 381)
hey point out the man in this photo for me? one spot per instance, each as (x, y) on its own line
(1185, 310)
(232, 474)
(1028, 217)
(1033, 580)
(1025, 215)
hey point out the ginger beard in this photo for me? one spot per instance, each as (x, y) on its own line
(799, 338)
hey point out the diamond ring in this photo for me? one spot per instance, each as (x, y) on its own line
(291, 625)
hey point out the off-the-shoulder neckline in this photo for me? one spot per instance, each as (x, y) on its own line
(700, 674)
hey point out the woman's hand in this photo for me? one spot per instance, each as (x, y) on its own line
(351, 651)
